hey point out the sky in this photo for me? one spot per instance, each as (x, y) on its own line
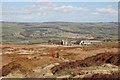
(59, 11)
(59, 0)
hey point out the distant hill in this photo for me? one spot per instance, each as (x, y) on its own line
(22, 32)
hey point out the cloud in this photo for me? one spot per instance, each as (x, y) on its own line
(69, 8)
(107, 10)
(57, 12)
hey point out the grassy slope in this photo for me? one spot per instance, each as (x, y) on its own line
(42, 32)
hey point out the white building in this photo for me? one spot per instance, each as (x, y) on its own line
(85, 43)
(88, 42)
(64, 42)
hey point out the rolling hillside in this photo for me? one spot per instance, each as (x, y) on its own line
(17, 33)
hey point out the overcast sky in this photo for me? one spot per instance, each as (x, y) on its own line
(60, 11)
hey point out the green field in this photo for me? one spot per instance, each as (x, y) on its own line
(18, 33)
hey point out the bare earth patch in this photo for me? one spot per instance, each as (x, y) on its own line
(74, 62)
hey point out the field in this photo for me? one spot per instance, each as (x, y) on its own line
(40, 33)
(27, 53)
(35, 61)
